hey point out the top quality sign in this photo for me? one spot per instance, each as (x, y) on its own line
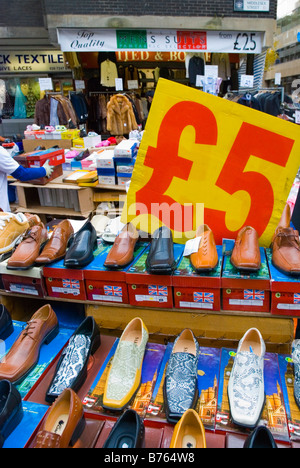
(247, 42)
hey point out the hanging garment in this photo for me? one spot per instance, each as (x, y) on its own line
(196, 67)
(42, 112)
(224, 69)
(20, 104)
(80, 107)
(120, 115)
(67, 108)
(54, 120)
(108, 73)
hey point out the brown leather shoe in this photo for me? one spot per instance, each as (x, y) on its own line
(246, 253)
(63, 424)
(286, 250)
(24, 353)
(56, 248)
(121, 253)
(28, 250)
(207, 257)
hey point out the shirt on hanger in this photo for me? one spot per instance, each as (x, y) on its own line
(109, 73)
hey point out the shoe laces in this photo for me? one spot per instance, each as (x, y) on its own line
(29, 329)
(4, 220)
(290, 237)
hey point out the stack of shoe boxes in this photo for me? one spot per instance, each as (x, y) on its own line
(124, 159)
(105, 167)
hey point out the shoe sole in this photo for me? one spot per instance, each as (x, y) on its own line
(48, 338)
(10, 247)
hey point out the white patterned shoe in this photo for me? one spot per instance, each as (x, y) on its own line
(246, 391)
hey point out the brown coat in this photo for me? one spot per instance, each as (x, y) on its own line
(120, 115)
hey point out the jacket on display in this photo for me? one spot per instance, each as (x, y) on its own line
(196, 67)
(80, 107)
(120, 115)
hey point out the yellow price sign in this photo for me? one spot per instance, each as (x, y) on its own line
(204, 159)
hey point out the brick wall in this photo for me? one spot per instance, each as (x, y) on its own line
(151, 7)
(21, 13)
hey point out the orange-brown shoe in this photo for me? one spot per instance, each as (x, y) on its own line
(189, 432)
(24, 353)
(207, 257)
(246, 253)
(63, 424)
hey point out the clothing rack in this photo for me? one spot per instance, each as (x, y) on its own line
(254, 90)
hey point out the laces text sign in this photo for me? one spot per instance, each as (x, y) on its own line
(204, 159)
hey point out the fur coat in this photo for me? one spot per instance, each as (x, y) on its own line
(120, 116)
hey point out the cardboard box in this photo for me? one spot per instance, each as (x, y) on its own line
(126, 149)
(285, 291)
(105, 159)
(197, 290)
(70, 134)
(107, 285)
(241, 290)
(30, 145)
(149, 290)
(27, 282)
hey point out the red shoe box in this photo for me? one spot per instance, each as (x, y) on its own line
(285, 291)
(56, 158)
(65, 283)
(107, 285)
(241, 290)
(149, 290)
(197, 290)
(27, 282)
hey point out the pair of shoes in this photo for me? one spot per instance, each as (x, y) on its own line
(124, 375)
(71, 369)
(12, 228)
(246, 392)
(11, 410)
(206, 258)
(81, 247)
(246, 252)
(160, 259)
(261, 437)
(180, 388)
(189, 432)
(6, 324)
(63, 424)
(128, 432)
(286, 246)
(24, 353)
(122, 251)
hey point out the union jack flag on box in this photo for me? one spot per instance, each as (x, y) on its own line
(157, 290)
(205, 297)
(69, 283)
(296, 298)
(254, 294)
(113, 291)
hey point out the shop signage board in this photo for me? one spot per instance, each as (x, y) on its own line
(206, 159)
(32, 61)
(251, 5)
(91, 40)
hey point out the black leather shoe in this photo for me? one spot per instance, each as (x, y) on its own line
(71, 369)
(160, 259)
(128, 432)
(81, 247)
(11, 411)
(261, 437)
(6, 325)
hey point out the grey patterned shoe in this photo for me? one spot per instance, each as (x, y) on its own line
(296, 361)
(181, 380)
(246, 391)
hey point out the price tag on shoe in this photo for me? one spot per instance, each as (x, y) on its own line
(191, 246)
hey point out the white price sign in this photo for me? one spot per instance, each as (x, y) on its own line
(46, 84)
